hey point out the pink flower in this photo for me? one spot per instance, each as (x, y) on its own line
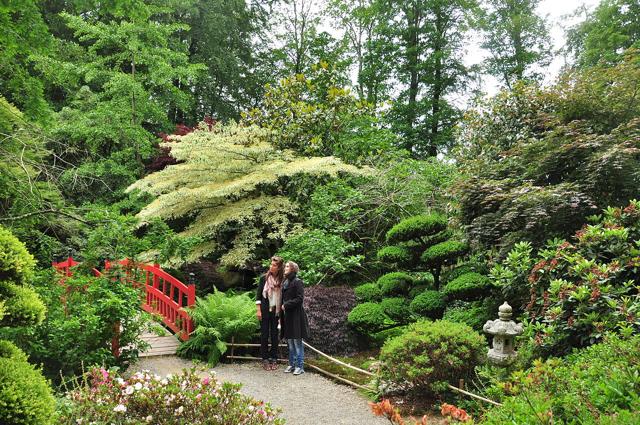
(205, 380)
(105, 374)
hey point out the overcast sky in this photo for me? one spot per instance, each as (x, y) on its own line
(556, 12)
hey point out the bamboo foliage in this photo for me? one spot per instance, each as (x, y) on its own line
(229, 185)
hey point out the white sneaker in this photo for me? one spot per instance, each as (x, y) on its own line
(289, 369)
(298, 371)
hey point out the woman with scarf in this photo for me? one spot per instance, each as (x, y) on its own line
(268, 303)
(295, 324)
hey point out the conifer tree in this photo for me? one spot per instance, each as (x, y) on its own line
(229, 190)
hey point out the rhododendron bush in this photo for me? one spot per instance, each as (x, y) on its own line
(145, 398)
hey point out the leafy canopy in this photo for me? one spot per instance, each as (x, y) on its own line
(228, 190)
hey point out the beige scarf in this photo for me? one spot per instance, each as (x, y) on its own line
(273, 288)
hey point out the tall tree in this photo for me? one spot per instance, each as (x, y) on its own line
(431, 34)
(130, 71)
(517, 38)
(364, 23)
(226, 36)
(611, 28)
(24, 40)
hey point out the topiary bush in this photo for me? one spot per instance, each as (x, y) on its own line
(395, 283)
(467, 287)
(369, 318)
(443, 252)
(368, 292)
(394, 255)
(429, 304)
(327, 309)
(16, 264)
(417, 226)
(25, 396)
(468, 267)
(428, 355)
(473, 314)
(397, 308)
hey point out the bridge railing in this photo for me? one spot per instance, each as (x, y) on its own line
(164, 294)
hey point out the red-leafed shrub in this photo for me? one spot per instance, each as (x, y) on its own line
(327, 308)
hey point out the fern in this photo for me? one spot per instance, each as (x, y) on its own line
(218, 317)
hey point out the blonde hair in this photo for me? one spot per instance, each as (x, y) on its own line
(293, 266)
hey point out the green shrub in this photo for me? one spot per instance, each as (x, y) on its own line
(368, 292)
(429, 304)
(79, 331)
(16, 264)
(25, 306)
(443, 252)
(369, 318)
(428, 355)
(395, 283)
(423, 278)
(596, 385)
(474, 314)
(467, 287)
(8, 350)
(578, 291)
(322, 256)
(417, 290)
(25, 396)
(217, 318)
(416, 227)
(394, 255)
(397, 309)
(465, 268)
(185, 398)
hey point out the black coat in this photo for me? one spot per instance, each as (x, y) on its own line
(264, 302)
(295, 324)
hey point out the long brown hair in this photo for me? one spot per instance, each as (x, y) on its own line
(279, 276)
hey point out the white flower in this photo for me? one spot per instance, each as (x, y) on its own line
(149, 418)
(120, 408)
(179, 410)
(129, 390)
(120, 381)
(164, 382)
(137, 386)
(79, 420)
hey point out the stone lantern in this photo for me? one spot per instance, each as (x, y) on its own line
(504, 331)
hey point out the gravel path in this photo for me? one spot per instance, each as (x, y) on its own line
(308, 399)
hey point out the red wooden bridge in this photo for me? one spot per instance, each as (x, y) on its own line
(165, 295)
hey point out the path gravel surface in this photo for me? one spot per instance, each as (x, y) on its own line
(308, 399)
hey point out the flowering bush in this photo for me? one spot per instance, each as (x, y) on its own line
(578, 291)
(106, 398)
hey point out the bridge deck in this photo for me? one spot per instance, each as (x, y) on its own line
(160, 345)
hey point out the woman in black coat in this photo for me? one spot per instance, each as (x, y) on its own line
(295, 325)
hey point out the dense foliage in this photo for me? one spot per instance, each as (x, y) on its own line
(428, 355)
(228, 187)
(539, 161)
(596, 386)
(106, 398)
(25, 396)
(218, 317)
(79, 327)
(576, 292)
(327, 309)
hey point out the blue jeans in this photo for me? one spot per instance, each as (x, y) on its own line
(296, 353)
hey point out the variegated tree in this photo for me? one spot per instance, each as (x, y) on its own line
(229, 189)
